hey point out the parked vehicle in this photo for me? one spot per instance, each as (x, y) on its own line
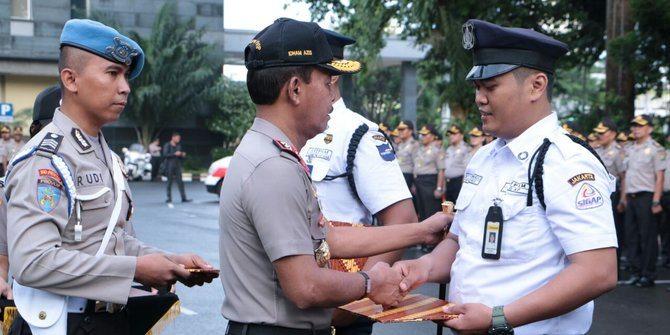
(216, 174)
(137, 161)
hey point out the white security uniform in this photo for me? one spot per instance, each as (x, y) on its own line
(379, 181)
(535, 241)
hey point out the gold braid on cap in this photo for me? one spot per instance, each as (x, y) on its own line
(346, 65)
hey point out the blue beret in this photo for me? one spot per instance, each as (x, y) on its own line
(103, 41)
(498, 50)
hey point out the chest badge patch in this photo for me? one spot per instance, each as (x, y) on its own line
(49, 189)
(516, 188)
(328, 138)
(580, 178)
(588, 197)
(386, 152)
(471, 178)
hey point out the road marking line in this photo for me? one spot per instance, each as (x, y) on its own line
(187, 311)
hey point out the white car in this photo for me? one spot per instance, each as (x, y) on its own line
(215, 174)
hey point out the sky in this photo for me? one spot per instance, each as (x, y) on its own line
(256, 15)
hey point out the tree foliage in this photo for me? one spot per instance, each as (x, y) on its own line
(234, 111)
(581, 24)
(177, 71)
(646, 49)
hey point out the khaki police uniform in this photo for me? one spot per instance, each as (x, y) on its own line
(404, 152)
(428, 160)
(613, 156)
(3, 221)
(641, 163)
(664, 226)
(270, 211)
(44, 251)
(455, 161)
(5, 149)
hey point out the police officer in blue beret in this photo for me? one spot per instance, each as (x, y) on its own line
(521, 257)
(72, 259)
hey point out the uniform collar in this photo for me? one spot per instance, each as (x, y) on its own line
(268, 129)
(339, 105)
(524, 145)
(72, 132)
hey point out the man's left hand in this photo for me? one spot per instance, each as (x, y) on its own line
(6, 290)
(472, 318)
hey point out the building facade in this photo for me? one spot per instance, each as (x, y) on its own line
(29, 48)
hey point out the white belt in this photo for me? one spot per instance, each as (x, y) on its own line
(76, 305)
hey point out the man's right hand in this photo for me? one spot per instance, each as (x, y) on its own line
(436, 226)
(5, 290)
(415, 272)
(621, 206)
(385, 284)
(157, 270)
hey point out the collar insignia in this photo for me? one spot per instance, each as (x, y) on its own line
(80, 139)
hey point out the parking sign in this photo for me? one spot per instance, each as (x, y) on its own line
(6, 112)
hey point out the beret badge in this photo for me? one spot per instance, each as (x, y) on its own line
(468, 36)
(121, 51)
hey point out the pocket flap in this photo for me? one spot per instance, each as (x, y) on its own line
(94, 197)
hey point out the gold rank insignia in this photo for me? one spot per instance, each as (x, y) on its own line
(328, 138)
(322, 254)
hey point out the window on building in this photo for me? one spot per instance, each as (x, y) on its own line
(79, 9)
(21, 9)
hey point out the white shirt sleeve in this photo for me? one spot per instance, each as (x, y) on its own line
(379, 181)
(579, 209)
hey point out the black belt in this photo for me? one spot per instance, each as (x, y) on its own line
(236, 328)
(639, 194)
(454, 179)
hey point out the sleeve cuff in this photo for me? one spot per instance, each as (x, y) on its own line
(593, 242)
(281, 249)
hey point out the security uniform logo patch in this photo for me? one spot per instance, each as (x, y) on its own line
(471, 178)
(386, 152)
(49, 189)
(580, 178)
(588, 197)
(515, 187)
(328, 138)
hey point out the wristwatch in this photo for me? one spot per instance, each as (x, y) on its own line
(368, 283)
(499, 325)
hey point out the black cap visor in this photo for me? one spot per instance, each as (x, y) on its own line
(482, 72)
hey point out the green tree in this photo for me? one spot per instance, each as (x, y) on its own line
(177, 70)
(376, 94)
(438, 24)
(234, 112)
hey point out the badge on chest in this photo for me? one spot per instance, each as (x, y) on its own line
(493, 232)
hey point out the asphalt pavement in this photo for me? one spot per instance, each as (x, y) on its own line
(194, 227)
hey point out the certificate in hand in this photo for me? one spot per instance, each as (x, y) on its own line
(413, 308)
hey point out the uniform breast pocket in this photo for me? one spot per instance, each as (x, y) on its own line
(94, 198)
(521, 229)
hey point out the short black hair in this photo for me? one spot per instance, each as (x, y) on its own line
(265, 85)
(521, 73)
(73, 58)
(175, 133)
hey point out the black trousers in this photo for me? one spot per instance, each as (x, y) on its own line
(453, 188)
(641, 234)
(664, 227)
(155, 165)
(174, 174)
(427, 205)
(362, 326)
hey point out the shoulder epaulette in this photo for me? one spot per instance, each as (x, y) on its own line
(50, 143)
(287, 148)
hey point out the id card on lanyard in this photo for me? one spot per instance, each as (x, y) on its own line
(493, 231)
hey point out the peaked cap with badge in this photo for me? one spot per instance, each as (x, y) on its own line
(642, 120)
(105, 42)
(289, 42)
(498, 50)
(605, 126)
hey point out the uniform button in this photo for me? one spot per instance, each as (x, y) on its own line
(87, 319)
(42, 315)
